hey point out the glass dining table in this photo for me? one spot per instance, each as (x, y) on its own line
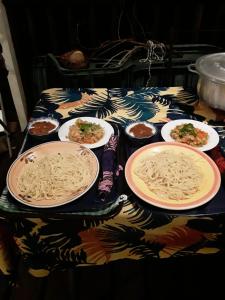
(113, 223)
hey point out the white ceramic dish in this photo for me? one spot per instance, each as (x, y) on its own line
(213, 135)
(43, 119)
(108, 131)
(140, 139)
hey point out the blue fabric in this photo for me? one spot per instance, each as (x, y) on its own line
(96, 203)
(140, 104)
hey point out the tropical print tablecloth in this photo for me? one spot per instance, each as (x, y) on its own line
(94, 233)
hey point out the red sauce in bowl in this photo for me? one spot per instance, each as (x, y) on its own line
(141, 131)
(41, 128)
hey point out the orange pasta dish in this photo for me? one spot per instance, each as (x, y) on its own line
(188, 134)
(85, 132)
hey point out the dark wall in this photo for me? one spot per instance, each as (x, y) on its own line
(39, 27)
(57, 25)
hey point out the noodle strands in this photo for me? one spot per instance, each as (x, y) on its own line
(169, 175)
(55, 176)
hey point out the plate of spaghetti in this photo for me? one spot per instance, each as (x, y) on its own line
(88, 131)
(52, 174)
(190, 132)
(172, 175)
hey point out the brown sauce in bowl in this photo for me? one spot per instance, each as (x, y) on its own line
(141, 131)
(41, 128)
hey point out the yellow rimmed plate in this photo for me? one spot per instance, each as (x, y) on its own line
(210, 183)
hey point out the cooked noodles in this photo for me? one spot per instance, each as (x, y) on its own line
(55, 176)
(169, 175)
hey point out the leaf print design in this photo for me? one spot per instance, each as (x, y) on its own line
(94, 247)
(186, 96)
(207, 250)
(118, 105)
(136, 230)
(60, 96)
(175, 236)
(131, 233)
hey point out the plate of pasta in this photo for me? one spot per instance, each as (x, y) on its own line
(88, 131)
(190, 132)
(172, 175)
(52, 174)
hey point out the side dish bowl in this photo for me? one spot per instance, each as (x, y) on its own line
(213, 137)
(140, 131)
(64, 130)
(43, 127)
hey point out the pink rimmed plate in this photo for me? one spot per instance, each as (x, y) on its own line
(209, 186)
(40, 151)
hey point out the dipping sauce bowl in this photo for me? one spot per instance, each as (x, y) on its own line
(141, 131)
(43, 127)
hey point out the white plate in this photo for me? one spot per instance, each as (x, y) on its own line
(108, 131)
(213, 135)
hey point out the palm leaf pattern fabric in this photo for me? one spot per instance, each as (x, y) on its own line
(109, 104)
(51, 244)
(136, 231)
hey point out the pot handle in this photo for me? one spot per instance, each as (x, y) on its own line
(191, 68)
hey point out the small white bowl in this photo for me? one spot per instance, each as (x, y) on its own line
(53, 121)
(137, 139)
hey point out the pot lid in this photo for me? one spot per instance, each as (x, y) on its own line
(212, 66)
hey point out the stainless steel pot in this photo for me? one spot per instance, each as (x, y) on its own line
(211, 82)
